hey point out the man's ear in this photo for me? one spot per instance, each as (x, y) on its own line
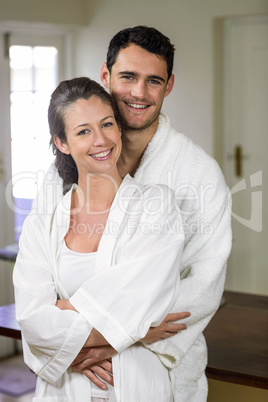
(105, 75)
(170, 85)
(61, 145)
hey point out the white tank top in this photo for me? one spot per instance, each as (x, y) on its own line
(74, 269)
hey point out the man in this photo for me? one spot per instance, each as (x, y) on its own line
(138, 74)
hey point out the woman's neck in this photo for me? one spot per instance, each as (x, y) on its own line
(95, 192)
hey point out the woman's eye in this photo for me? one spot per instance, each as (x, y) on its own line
(108, 124)
(83, 132)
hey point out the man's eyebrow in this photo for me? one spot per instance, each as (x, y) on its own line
(157, 77)
(151, 77)
(127, 73)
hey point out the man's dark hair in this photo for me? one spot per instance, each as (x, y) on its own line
(147, 38)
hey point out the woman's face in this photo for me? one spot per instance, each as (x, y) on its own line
(93, 136)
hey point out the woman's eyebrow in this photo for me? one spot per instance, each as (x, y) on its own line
(87, 124)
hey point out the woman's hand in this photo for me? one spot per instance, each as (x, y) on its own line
(167, 328)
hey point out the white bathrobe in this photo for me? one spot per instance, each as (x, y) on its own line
(136, 284)
(173, 159)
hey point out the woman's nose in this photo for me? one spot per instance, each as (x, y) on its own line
(99, 137)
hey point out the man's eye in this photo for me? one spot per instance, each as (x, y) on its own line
(127, 77)
(155, 82)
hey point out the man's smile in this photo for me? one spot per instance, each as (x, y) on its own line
(137, 105)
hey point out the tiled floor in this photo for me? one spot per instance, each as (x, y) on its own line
(25, 398)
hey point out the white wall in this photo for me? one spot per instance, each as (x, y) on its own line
(189, 24)
(53, 11)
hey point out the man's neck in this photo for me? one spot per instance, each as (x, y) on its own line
(134, 144)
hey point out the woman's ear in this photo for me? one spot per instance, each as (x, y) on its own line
(61, 145)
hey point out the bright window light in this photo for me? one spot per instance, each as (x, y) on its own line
(34, 76)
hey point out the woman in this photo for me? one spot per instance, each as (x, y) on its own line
(102, 267)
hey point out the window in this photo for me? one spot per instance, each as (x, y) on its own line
(33, 59)
(33, 77)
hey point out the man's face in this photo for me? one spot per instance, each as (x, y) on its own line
(139, 83)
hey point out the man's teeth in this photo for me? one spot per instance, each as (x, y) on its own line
(137, 106)
(101, 154)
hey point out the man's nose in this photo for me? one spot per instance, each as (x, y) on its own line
(139, 89)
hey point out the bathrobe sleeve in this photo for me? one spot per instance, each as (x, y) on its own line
(52, 338)
(207, 247)
(138, 290)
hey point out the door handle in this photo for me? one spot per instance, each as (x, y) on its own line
(238, 157)
(238, 160)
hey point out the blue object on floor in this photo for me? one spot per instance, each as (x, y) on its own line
(16, 379)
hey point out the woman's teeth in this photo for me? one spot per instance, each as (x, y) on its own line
(102, 154)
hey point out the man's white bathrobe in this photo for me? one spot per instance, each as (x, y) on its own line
(173, 159)
(136, 283)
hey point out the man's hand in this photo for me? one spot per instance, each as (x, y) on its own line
(104, 370)
(89, 356)
(92, 361)
(167, 328)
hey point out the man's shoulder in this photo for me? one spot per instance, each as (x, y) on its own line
(181, 141)
(189, 154)
(144, 191)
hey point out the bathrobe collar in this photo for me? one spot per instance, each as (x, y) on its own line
(61, 221)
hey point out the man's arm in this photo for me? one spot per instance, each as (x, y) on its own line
(207, 248)
(91, 361)
(95, 356)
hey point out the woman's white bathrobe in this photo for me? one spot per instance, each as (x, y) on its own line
(136, 284)
(174, 160)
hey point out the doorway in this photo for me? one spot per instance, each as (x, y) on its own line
(245, 122)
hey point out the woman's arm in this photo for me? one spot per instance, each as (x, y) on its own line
(52, 338)
(124, 300)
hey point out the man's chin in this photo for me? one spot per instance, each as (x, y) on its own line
(135, 127)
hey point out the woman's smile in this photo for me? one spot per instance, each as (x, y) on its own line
(103, 155)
